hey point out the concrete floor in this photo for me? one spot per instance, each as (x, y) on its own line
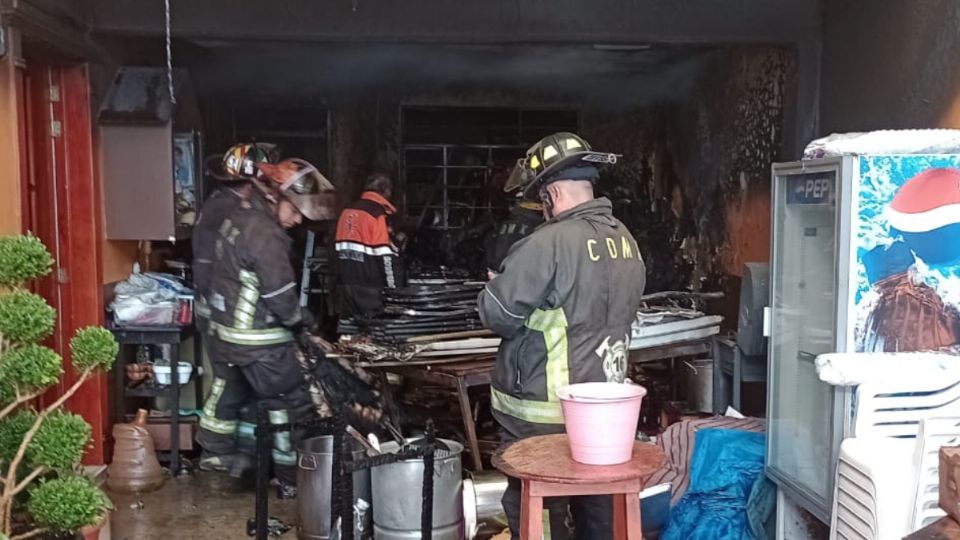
(202, 506)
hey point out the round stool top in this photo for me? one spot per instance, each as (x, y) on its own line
(547, 458)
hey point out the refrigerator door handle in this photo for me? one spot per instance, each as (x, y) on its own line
(767, 316)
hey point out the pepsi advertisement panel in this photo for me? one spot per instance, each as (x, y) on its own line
(908, 254)
(811, 188)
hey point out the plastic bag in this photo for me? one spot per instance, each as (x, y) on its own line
(150, 299)
(725, 466)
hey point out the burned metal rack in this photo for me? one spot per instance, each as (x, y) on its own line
(343, 466)
(442, 162)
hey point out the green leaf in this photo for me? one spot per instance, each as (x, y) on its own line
(12, 430)
(25, 317)
(93, 348)
(29, 368)
(67, 504)
(60, 441)
(22, 258)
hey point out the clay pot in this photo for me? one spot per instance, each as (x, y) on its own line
(135, 468)
(100, 531)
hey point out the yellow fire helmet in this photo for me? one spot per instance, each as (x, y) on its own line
(554, 154)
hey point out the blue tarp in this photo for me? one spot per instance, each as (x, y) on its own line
(726, 465)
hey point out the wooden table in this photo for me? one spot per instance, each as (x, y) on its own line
(546, 469)
(459, 376)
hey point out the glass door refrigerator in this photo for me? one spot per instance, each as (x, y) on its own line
(865, 257)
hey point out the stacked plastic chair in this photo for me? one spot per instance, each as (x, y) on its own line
(887, 475)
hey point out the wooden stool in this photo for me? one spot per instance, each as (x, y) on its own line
(545, 469)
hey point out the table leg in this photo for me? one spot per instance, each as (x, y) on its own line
(469, 425)
(619, 517)
(198, 341)
(175, 409)
(391, 407)
(531, 514)
(634, 523)
(119, 373)
(673, 379)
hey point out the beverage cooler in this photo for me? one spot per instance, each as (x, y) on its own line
(865, 257)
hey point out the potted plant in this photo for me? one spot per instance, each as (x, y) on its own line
(42, 487)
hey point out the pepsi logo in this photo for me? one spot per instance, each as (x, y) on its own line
(926, 211)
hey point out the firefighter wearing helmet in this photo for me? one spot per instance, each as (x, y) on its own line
(563, 304)
(235, 171)
(255, 308)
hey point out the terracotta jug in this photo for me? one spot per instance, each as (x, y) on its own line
(135, 468)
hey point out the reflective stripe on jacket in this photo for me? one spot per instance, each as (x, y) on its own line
(365, 255)
(563, 306)
(254, 297)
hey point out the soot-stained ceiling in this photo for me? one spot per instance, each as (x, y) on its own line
(600, 75)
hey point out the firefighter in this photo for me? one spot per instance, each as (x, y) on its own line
(367, 255)
(255, 306)
(563, 305)
(525, 217)
(219, 439)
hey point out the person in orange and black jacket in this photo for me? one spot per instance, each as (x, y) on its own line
(367, 256)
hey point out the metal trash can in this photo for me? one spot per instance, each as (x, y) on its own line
(482, 507)
(314, 481)
(397, 496)
(700, 385)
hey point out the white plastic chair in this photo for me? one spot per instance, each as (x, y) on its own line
(870, 502)
(887, 476)
(934, 433)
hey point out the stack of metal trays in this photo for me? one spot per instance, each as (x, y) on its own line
(423, 308)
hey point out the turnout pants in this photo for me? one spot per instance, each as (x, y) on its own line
(362, 302)
(268, 375)
(230, 429)
(592, 516)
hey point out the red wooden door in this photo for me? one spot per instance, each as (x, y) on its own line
(63, 209)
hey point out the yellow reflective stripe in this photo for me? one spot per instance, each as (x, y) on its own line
(284, 458)
(246, 300)
(246, 430)
(553, 324)
(282, 446)
(243, 336)
(202, 309)
(209, 420)
(538, 412)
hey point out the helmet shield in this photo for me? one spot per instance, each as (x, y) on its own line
(302, 184)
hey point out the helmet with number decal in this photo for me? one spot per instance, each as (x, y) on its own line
(239, 162)
(561, 156)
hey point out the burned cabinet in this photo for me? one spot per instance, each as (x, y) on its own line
(150, 157)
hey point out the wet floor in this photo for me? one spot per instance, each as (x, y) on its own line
(202, 506)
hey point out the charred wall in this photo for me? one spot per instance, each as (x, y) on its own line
(889, 65)
(698, 135)
(694, 185)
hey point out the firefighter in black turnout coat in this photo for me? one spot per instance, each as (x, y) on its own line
(563, 305)
(254, 305)
(219, 439)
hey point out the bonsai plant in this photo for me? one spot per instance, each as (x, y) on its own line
(41, 447)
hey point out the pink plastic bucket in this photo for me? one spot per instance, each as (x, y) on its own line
(601, 420)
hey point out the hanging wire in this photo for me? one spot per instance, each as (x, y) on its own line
(166, 12)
